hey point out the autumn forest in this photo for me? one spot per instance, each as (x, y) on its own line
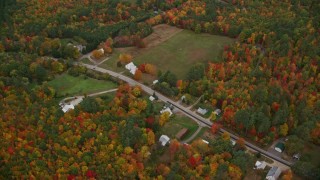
(253, 65)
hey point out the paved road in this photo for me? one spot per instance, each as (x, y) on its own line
(200, 120)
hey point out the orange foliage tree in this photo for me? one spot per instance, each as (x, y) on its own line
(137, 75)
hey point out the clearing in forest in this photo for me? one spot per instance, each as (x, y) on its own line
(170, 48)
(70, 85)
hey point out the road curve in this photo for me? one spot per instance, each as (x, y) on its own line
(200, 120)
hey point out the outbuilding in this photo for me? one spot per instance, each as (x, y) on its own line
(279, 147)
(273, 173)
(164, 139)
(202, 111)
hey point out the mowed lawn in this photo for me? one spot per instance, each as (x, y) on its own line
(183, 50)
(69, 85)
(174, 125)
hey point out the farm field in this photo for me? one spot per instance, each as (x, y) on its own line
(177, 53)
(69, 85)
(183, 50)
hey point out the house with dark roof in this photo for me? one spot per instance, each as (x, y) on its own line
(273, 173)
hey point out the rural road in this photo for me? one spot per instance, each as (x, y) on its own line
(200, 120)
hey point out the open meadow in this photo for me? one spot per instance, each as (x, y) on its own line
(176, 53)
(69, 85)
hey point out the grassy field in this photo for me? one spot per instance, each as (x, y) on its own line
(201, 133)
(173, 126)
(86, 61)
(178, 53)
(69, 85)
(183, 50)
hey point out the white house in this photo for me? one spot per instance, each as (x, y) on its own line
(67, 107)
(260, 165)
(233, 142)
(273, 173)
(166, 110)
(101, 50)
(164, 139)
(131, 67)
(202, 111)
(155, 82)
(217, 112)
(151, 98)
(80, 47)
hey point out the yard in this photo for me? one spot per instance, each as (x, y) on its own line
(174, 125)
(68, 85)
(175, 51)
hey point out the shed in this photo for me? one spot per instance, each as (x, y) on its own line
(202, 111)
(260, 165)
(217, 111)
(101, 50)
(181, 133)
(151, 98)
(205, 141)
(155, 81)
(164, 139)
(233, 142)
(131, 67)
(297, 156)
(273, 173)
(279, 147)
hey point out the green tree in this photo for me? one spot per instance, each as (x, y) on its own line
(294, 145)
(196, 72)
(90, 105)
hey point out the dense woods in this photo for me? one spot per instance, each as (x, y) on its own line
(267, 87)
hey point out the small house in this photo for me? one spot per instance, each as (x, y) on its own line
(167, 109)
(101, 50)
(151, 98)
(202, 111)
(67, 107)
(155, 82)
(181, 133)
(297, 156)
(164, 139)
(233, 142)
(260, 165)
(217, 112)
(80, 48)
(279, 147)
(131, 67)
(273, 173)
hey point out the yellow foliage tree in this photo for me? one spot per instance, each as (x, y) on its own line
(226, 136)
(164, 117)
(125, 58)
(97, 54)
(284, 129)
(151, 138)
(151, 69)
(128, 150)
